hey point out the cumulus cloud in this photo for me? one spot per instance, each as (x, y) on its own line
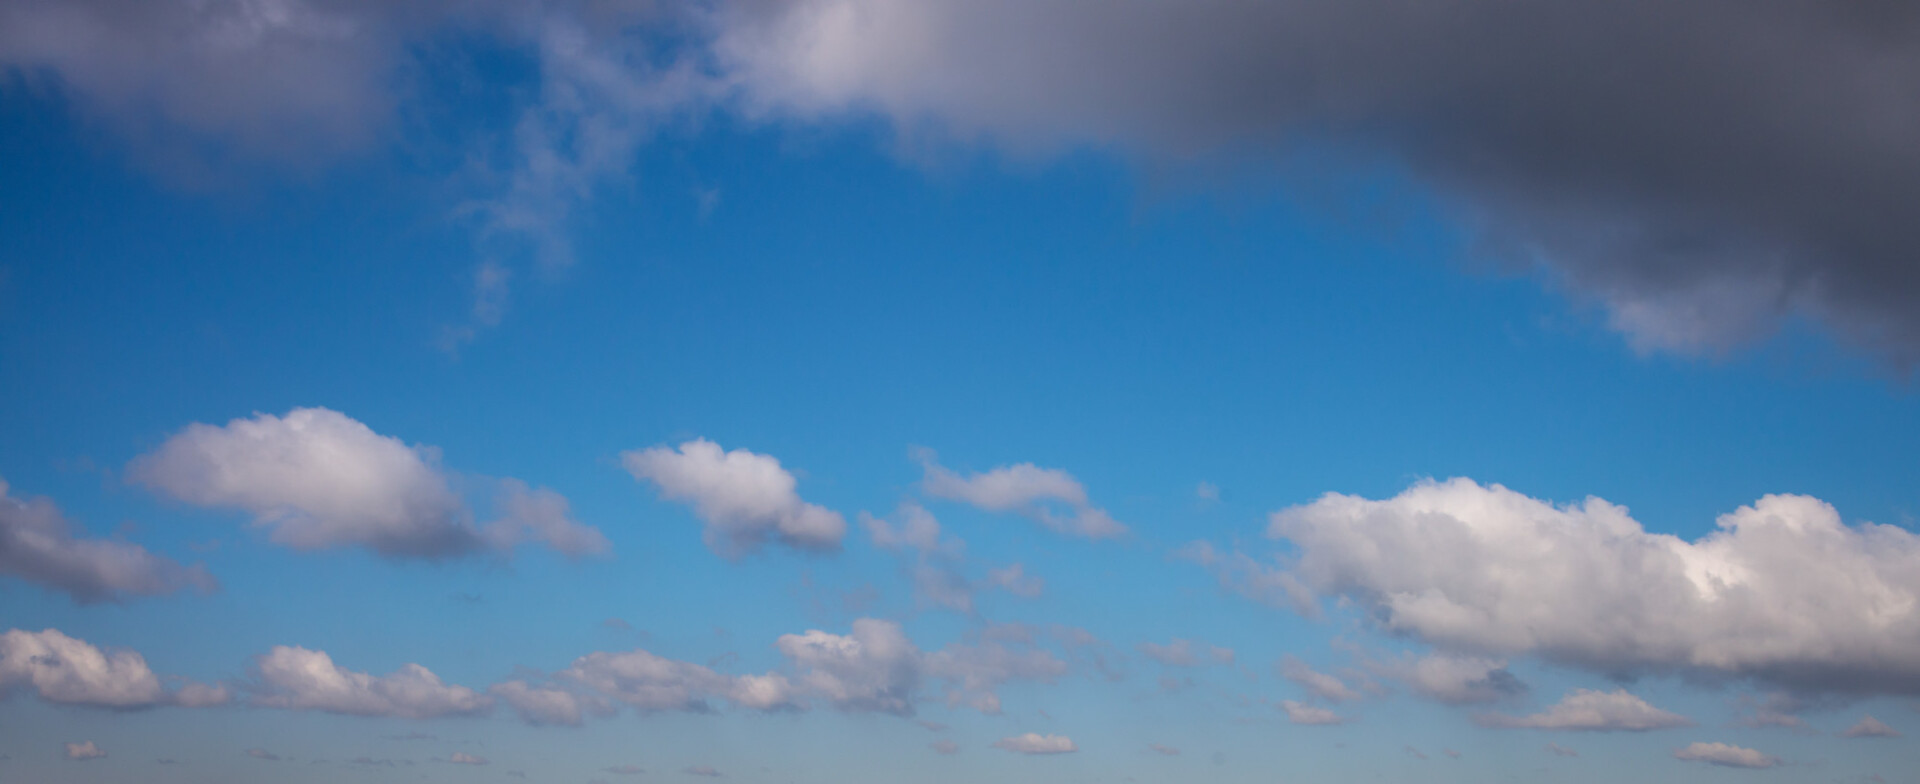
(463, 758)
(1725, 755)
(1049, 495)
(1561, 751)
(1014, 579)
(1035, 743)
(38, 545)
(1870, 727)
(1302, 713)
(70, 671)
(318, 479)
(1164, 750)
(1454, 680)
(874, 668)
(1783, 592)
(1593, 711)
(744, 498)
(1319, 684)
(935, 565)
(296, 678)
(1185, 653)
(84, 750)
(649, 682)
(541, 705)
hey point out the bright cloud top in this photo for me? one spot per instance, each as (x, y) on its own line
(318, 479)
(1035, 743)
(744, 498)
(37, 544)
(1726, 755)
(1783, 592)
(1049, 495)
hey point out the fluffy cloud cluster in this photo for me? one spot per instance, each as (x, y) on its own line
(1783, 592)
(70, 671)
(745, 499)
(1588, 710)
(296, 678)
(37, 544)
(317, 479)
(1049, 495)
(1726, 755)
(937, 568)
(83, 751)
(649, 682)
(1321, 685)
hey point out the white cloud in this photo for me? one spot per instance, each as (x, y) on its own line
(945, 747)
(37, 544)
(1870, 727)
(84, 750)
(541, 706)
(974, 672)
(649, 682)
(317, 479)
(1048, 495)
(1783, 592)
(1207, 491)
(70, 671)
(1725, 755)
(1319, 684)
(1244, 575)
(936, 566)
(1014, 579)
(1302, 713)
(1454, 680)
(917, 530)
(707, 771)
(300, 679)
(1585, 709)
(743, 498)
(1185, 653)
(1035, 743)
(463, 758)
(874, 668)
(1164, 749)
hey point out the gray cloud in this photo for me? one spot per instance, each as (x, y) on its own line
(37, 544)
(296, 678)
(70, 671)
(1592, 711)
(744, 498)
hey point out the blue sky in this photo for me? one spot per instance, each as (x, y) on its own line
(611, 401)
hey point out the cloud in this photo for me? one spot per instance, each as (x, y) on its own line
(945, 747)
(1455, 680)
(1561, 751)
(1168, 751)
(1588, 710)
(936, 564)
(743, 498)
(1726, 756)
(1319, 684)
(703, 770)
(1783, 592)
(1302, 713)
(875, 668)
(1207, 491)
(258, 753)
(463, 758)
(1185, 653)
(1048, 495)
(296, 678)
(648, 682)
(1870, 727)
(624, 770)
(1247, 577)
(318, 479)
(1014, 579)
(1034, 743)
(541, 706)
(37, 544)
(69, 671)
(84, 750)
(1661, 160)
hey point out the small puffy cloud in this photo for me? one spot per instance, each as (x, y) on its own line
(1454, 680)
(1248, 577)
(703, 770)
(1561, 751)
(1185, 653)
(38, 545)
(541, 706)
(1319, 684)
(1035, 743)
(743, 498)
(917, 530)
(318, 479)
(296, 678)
(1049, 495)
(1870, 727)
(84, 750)
(463, 758)
(649, 682)
(263, 754)
(1164, 749)
(974, 672)
(70, 671)
(1451, 754)
(1207, 491)
(945, 747)
(1783, 592)
(1594, 711)
(1302, 713)
(1726, 756)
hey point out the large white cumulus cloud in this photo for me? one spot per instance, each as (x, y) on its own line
(297, 678)
(37, 544)
(1784, 592)
(71, 671)
(317, 479)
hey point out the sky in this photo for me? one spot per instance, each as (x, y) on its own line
(847, 391)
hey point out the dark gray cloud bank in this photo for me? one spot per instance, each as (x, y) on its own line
(1705, 170)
